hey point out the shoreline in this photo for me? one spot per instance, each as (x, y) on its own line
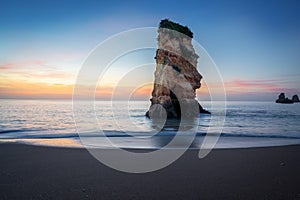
(40, 172)
(139, 149)
(224, 142)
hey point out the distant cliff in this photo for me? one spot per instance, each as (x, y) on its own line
(176, 75)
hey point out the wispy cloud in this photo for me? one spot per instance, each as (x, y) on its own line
(23, 64)
(251, 85)
(36, 71)
(41, 78)
(260, 85)
(24, 89)
(239, 89)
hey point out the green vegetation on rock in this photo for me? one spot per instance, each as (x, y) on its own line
(165, 23)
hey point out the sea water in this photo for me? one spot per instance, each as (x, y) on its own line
(51, 122)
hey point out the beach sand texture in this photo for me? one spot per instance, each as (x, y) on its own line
(35, 172)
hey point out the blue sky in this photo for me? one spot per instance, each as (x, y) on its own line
(254, 43)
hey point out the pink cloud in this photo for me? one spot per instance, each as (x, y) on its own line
(251, 85)
(254, 86)
(22, 64)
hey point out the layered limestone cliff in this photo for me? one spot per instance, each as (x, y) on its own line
(176, 75)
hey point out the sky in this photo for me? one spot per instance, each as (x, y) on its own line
(43, 44)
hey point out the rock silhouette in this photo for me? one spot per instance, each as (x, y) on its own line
(295, 99)
(176, 75)
(283, 99)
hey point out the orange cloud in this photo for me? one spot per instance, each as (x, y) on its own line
(25, 80)
(35, 90)
(124, 92)
(35, 71)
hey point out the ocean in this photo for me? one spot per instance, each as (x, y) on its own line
(51, 123)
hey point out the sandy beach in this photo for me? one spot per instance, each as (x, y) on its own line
(35, 172)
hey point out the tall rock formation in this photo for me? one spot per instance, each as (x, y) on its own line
(176, 75)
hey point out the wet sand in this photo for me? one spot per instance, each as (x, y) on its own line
(35, 172)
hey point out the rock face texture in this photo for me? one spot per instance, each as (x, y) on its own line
(295, 99)
(176, 75)
(283, 99)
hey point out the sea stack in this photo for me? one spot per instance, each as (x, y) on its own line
(283, 99)
(176, 75)
(295, 99)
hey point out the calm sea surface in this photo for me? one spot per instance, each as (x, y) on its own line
(51, 122)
